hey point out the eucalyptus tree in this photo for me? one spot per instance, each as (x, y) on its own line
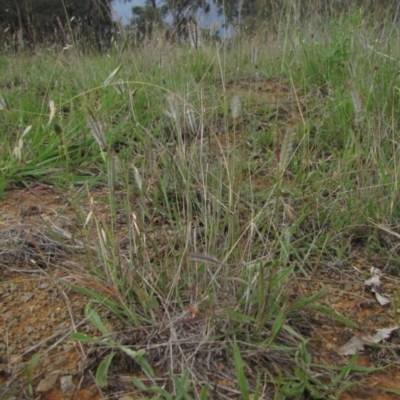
(41, 20)
(178, 13)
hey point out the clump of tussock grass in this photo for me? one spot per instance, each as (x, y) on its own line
(31, 244)
(186, 121)
(199, 254)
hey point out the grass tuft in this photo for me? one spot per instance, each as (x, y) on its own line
(198, 219)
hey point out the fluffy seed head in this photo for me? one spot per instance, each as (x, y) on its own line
(358, 104)
(192, 121)
(97, 131)
(236, 107)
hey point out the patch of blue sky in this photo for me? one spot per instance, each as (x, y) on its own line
(123, 11)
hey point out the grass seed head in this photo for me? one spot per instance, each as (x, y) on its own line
(286, 149)
(3, 103)
(192, 121)
(52, 111)
(253, 54)
(236, 107)
(194, 33)
(358, 104)
(97, 131)
(138, 178)
(174, 111)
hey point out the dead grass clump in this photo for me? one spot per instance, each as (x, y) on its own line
(24, 245)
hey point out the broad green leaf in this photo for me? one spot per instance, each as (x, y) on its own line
(304, 354)
(146, 367)
(102, 370)
(278, 323)
(139, 384)
(95, 319)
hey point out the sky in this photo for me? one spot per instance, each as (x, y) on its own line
(124, 11)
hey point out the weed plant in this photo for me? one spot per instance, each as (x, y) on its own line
(197, 218)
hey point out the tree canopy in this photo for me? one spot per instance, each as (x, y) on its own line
(251, 12)
(38, 20)
(179, 12)
(41, 19)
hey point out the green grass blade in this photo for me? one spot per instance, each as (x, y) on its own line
(81, 337)
(346, 369)
(204, 392)
(181, 386)
(239, 367)
(327, 311)
(278, 323)
(389, 390)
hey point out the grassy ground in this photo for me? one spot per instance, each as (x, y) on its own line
(228, 173)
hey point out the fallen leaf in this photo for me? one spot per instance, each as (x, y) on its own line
(350, 348)
(47, 383)
(383, 301)
(374, 282)
(358, 342)
(382, 334)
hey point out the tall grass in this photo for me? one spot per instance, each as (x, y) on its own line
(198, 218)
